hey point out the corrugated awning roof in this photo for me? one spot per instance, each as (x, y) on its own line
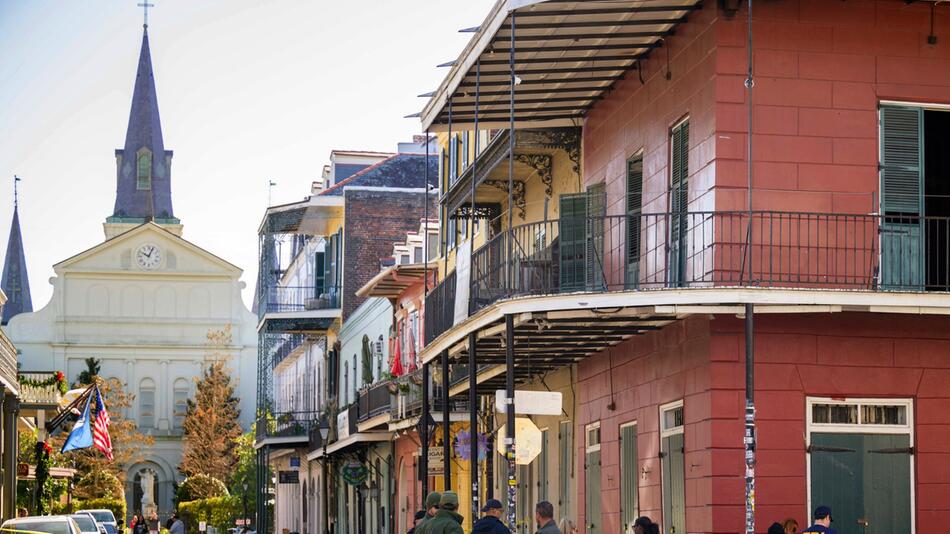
(567, 54)
(392, 281)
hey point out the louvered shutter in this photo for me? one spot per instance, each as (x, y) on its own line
(902, 176)
(573, 241)
(596, 211)
(634, 220)
(679, 202)
(629, 474)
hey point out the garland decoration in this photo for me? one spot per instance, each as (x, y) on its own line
(44, 485)
(58, 379)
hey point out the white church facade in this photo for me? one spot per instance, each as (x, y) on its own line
(143, 302)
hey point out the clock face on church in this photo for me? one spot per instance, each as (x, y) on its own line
(148, 256)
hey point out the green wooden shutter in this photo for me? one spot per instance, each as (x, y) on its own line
(674, 485)
(679, 202)
(565, 465)
(634, 221)
(543, 468)
(596, 219)
(573, 241)
(902, 177)
(629, 474)
(592, 496)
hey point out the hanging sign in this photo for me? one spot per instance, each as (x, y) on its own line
(354, 473)
(288, 477)
(531, 402)
(436, 458)
(463, 445)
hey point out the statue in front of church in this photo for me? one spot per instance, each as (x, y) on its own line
(148, 492)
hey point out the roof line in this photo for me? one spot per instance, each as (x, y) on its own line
(357, 174)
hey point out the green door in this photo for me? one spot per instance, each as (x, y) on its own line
(865, 479)
(634, 220)
(596, 222)
(592, 494)
(674, 485)
(573, 242)
(902, 178)
(679, 204)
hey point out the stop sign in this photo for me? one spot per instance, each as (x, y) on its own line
(527, 441)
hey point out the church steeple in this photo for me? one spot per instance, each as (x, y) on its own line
(143, 185)
(15, 282)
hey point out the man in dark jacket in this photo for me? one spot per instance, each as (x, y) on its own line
(490, 523)
(432, 506)
(544, 516)
(446, 520)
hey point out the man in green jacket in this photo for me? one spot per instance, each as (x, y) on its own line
(446, 520)
(432, 506)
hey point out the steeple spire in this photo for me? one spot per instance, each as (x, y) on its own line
(143, 190)
(15, 282)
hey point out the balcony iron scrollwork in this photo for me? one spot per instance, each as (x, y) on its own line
(517, 193)
(541, 163)
(566, 139)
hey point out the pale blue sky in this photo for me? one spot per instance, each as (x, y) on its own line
(249, 90)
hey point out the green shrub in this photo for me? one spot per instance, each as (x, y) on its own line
(201, 487)
(218, 512)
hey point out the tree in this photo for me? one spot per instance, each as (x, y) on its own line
(201, 487)
(211, 420)
(245, 472)
(88, 375)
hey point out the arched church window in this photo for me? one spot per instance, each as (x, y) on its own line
(181, 402)
(144, 170)
(147, 403)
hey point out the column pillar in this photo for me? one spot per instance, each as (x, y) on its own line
(161, 401)
(11, 409)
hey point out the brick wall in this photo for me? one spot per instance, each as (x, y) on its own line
(374, 220)
(821, 69)
(643, 373)
(841, 355)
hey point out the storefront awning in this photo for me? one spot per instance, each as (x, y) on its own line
(352, 441)
(392, 281)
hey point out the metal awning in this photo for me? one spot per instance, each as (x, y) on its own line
(567, 55)
(392, 281)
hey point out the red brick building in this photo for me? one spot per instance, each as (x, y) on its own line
(640, 284)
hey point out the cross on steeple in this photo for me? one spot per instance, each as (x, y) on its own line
(145, 5)
(16, 196)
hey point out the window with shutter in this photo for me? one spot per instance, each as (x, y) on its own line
(634, 221)
(679, 202)
(902, 177)
(596, 211)
(565, 466)
(629, 474)
(573, 241)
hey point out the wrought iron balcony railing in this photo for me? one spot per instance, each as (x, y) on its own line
(287, 424)
(701, 250)
(8, 359)
(375, 400)
(282, 299)
(407, 401)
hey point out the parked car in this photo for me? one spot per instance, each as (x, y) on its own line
(87, 524)
(104, 518)
(49, 524)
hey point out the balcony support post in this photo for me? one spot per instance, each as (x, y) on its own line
(473, 419)
(11, 409)
(446, 438)
(749, 419)
(510, 411)
(509, 272)
(471, 223)
(424, 431)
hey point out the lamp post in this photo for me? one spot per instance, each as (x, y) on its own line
(246, 527)
(324, 434)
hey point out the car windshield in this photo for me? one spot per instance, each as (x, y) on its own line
(104, 516)
(49, 527)
(86, 523)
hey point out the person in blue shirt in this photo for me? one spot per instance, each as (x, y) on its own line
(822, 522)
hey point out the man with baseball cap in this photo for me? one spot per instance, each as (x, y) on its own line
(432, 506)
(446, 520)
(490, 523)
(822, 522)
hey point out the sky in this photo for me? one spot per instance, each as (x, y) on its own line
(249, 91)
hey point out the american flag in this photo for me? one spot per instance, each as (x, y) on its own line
(100, 429)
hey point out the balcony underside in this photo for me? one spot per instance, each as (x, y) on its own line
(309, 321)
(282, 442)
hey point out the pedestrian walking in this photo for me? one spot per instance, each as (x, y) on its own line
(645, 525)
(776, 528)
(567, 526)
(490, 523)
(153, 523)
(177, 526)
(420, 515)
(790, 526)
(432, 506)
(446, 520)
(544, 517)
(822, 524)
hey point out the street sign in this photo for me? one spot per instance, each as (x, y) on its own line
(531, 402)
(202, 526)
(288, 477)
(294, 461)
(527, 441)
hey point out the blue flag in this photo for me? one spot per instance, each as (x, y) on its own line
(81, 435)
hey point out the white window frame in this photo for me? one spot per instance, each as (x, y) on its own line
(666, 432)
(587, 446)
(839, 428)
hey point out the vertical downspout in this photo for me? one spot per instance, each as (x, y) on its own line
(473, 420)
(424, 431)
(749, 438)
